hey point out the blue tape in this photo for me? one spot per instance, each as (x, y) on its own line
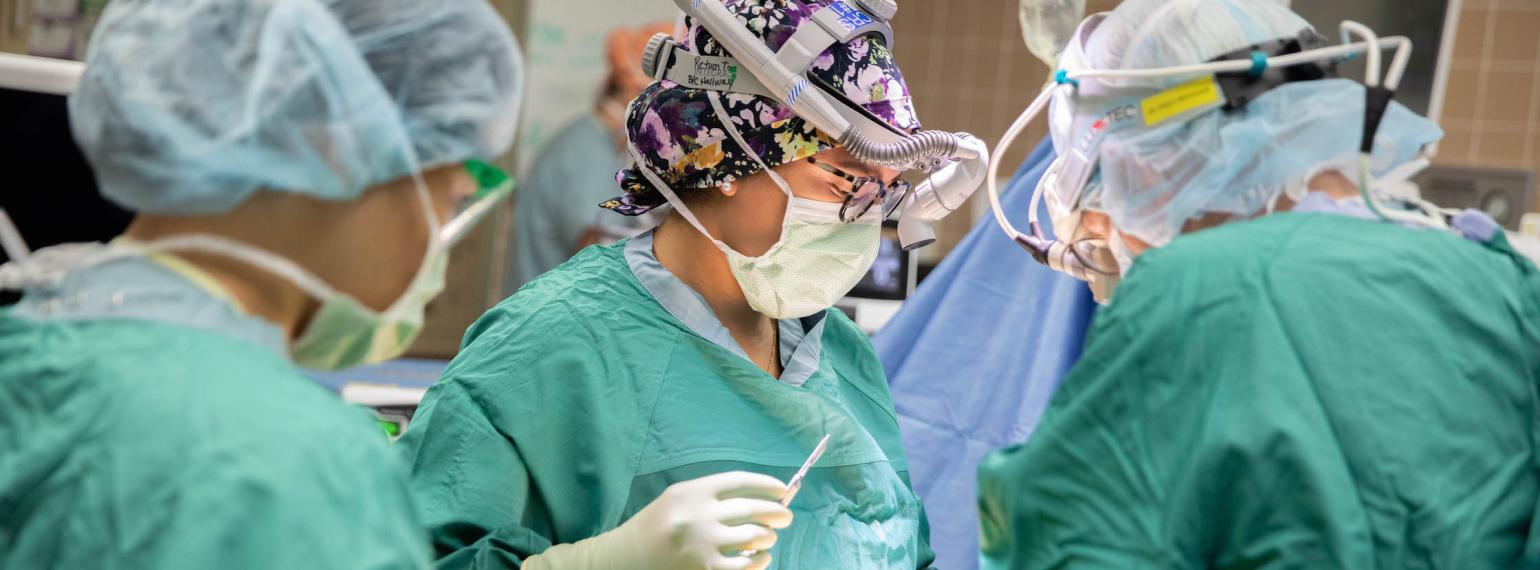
(1258, 64)
(796, 91)
(1062, 77)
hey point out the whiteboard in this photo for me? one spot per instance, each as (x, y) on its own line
(565, 40)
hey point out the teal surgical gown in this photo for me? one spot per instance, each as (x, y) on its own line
(1298, 391)
(576, 402)
(145, 423)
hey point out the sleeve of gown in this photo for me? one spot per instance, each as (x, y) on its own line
(927, 556)
(472, 485)
(497, 450)
(1187, 435)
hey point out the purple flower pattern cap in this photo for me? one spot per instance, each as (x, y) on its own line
(683, 140)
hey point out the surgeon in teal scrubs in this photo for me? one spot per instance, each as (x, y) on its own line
(644, 405)
(290, 165)
(1287, 376)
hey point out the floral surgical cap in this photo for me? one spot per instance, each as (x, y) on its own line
(681, 138)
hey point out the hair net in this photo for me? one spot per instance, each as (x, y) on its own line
(1152, 180)
(1143, 34)
(190, 106)
(681, 138)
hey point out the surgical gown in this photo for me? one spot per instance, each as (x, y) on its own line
(1297, 391)
(576, 402)
(145, 423)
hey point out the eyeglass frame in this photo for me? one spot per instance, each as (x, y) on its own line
(901, 186)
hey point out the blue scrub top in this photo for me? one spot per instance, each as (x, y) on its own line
(559, 199)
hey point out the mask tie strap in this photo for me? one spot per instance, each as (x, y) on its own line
(252, 255)
(732, 130)
(668, 194)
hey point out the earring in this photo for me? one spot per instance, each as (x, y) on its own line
(728, 190)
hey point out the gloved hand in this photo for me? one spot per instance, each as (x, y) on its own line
(688, 527)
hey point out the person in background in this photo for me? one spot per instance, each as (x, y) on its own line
(644, 405)
(556, 213)
(293, 166)
(1284, 377)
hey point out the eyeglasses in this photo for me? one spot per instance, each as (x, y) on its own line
(1094, 254)
(492, 185)
(865, 192)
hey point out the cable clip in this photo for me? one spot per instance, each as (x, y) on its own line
(1258, 64)
(1062, 77)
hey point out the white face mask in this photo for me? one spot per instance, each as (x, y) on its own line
(818, 258)
(1120, 252)
(345, 333)
(1103, 285)
(816, 262)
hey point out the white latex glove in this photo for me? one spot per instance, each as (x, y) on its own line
(688, 527)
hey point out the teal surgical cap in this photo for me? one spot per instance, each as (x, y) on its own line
(190, 106)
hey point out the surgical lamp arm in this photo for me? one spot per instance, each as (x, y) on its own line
(752, 53)
(808, 101)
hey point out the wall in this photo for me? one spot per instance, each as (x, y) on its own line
(474, 282)
(1492, 111)
(15, 23)
(566, 43)
(969, 70)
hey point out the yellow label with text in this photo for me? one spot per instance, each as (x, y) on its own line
(1191, 95)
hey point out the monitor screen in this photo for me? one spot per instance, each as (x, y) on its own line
(50, 192)
(892, 274)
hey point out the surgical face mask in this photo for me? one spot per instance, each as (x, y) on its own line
(1107, 261)
(817, 260)
(1085, 255)
(1120, 252)
(343, 332)
(1103, 284)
